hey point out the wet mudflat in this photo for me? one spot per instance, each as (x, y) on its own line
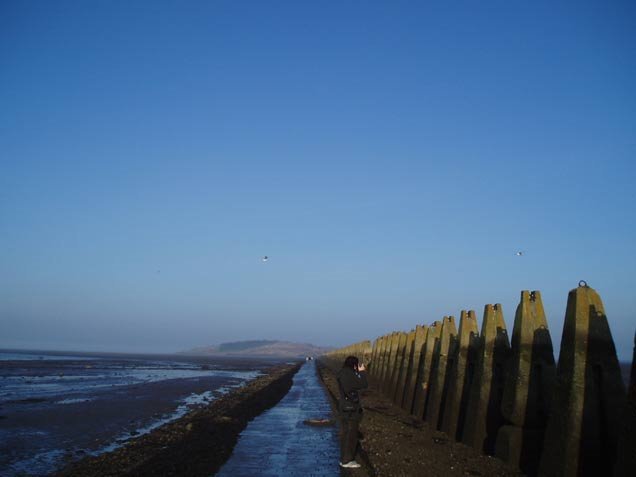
(278, 442)
(55, 409)
(197, 444)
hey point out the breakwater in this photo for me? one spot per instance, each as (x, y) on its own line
(506, 396)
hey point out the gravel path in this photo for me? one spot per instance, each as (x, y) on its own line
(395, 444)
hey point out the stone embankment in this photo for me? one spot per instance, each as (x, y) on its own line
(508, 397)
(197, 444)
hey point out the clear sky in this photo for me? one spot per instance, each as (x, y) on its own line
(389, 157)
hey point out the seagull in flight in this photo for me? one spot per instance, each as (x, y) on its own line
(265, 258)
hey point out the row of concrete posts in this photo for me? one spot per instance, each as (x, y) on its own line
(507, 397)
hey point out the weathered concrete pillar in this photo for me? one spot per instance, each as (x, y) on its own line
(434, 408)
(377, 362)
(461, 374)
(422, 386)
(386, 374)
(372, 364)
(626, 461)
(418, 348)
(528, 387)
(385, 361)
(407, 363)
(399, 362)
(364, 351)
(367, 351)
(384, 357)
(581, 438)
(395, 339)
(484, 416)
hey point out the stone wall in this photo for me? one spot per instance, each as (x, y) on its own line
(507, 397)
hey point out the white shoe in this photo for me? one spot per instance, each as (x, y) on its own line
(350, 465)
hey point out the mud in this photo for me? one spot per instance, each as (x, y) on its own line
(197, 444)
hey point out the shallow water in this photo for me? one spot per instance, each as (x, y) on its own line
(278, 443)
(55, 409)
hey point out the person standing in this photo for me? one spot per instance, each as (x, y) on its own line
(351, 379)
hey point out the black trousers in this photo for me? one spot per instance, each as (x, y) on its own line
(348, 437)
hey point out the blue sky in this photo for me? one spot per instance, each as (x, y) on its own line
(390, 158)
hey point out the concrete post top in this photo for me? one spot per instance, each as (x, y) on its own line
(493, 307)
(448, 327)
(530, 296)
(468, 323)
(467, 315)
(433, 331)
(530, 313)
(588, 293)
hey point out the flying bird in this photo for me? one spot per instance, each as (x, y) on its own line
(265, 258)
(520, 253)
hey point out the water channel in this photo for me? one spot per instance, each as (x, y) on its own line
(278, 443)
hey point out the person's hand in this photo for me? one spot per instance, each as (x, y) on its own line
(362, 367)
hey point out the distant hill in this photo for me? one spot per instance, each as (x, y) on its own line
(260, 348)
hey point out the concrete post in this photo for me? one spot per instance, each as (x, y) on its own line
(626, 461)
(399, 361)
(395, 338)
(418, 348)
(377, 365)
(439, 386)
(461, 376)
(397, 366)
(581, 438)
(404, 365)
(422, 386)
(407, 363)
(367, 351)
(528, 388)
(372, 365)
(484, 404)
(385, 361)
(363, 352)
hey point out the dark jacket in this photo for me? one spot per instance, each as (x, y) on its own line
(349, 383)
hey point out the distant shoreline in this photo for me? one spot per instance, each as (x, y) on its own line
(179, 355)
(200, 358)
